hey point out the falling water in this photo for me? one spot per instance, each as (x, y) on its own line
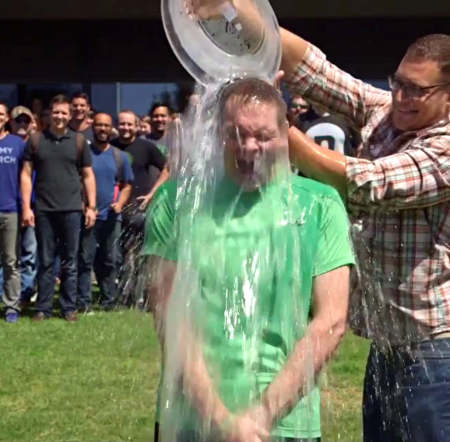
(241, 296)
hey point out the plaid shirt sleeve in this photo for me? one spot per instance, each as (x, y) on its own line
(320, 82)
(415, 178)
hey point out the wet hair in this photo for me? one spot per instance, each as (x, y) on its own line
(159, 104)
(249, 90)
(129, 111)
(60, 99)
(434, 47)
(80, 94)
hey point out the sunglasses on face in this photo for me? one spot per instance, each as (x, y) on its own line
(300, 106)
(410, 89)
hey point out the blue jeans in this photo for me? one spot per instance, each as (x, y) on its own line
(28, 261)
(407, 393)
(99, 245)
(53, 228)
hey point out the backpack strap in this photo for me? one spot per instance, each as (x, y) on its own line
(34, 139)
(80, 142)
(119, 163)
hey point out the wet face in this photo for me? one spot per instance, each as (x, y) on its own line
(127, 127)
(21, 126)
(102, 127)
(80, 108)
(160, 118)
(253, 143)
(418, 99)
(60, 116)
(3, 117)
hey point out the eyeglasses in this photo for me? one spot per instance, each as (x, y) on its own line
(410, 89)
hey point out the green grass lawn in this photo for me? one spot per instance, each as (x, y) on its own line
(96, 380)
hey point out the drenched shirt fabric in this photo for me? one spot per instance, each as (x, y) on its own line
(256, 256)
(11, 159)
(398, 192)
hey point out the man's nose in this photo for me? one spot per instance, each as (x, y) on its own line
(249, 145)
(400, 95)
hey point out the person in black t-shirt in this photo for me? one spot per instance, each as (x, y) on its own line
(80, 121)
(160, 118)
(143, 154)
(331, 132)
(59, 157)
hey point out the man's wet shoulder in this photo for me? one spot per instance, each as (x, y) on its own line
(306, 187)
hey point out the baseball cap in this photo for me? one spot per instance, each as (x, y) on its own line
(20, 110)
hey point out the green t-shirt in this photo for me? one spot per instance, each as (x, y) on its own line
(255, 255)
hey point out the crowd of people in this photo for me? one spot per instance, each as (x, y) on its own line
(121, 162)
(71, 184)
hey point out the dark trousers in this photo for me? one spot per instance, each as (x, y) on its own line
(407, 393)
(53, 228)
(99, 245)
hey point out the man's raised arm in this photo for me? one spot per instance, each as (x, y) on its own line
(294, 50)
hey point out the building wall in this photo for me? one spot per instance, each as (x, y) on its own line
(150, 9)
(137, 50)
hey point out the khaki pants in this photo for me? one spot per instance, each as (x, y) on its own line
(9, 259)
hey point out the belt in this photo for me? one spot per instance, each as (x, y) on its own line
(408, 346)
(443, 335)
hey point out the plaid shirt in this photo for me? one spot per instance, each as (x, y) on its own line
(398, 194)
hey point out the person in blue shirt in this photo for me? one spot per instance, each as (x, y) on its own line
(11, 160)
(99, 244)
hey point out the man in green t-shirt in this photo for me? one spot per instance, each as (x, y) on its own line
(250, 288)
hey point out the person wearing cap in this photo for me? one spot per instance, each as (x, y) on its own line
(20, 122)
(11, 158)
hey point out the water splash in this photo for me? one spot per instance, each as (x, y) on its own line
(241, 296)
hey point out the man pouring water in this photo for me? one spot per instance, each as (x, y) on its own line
(398, 191)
